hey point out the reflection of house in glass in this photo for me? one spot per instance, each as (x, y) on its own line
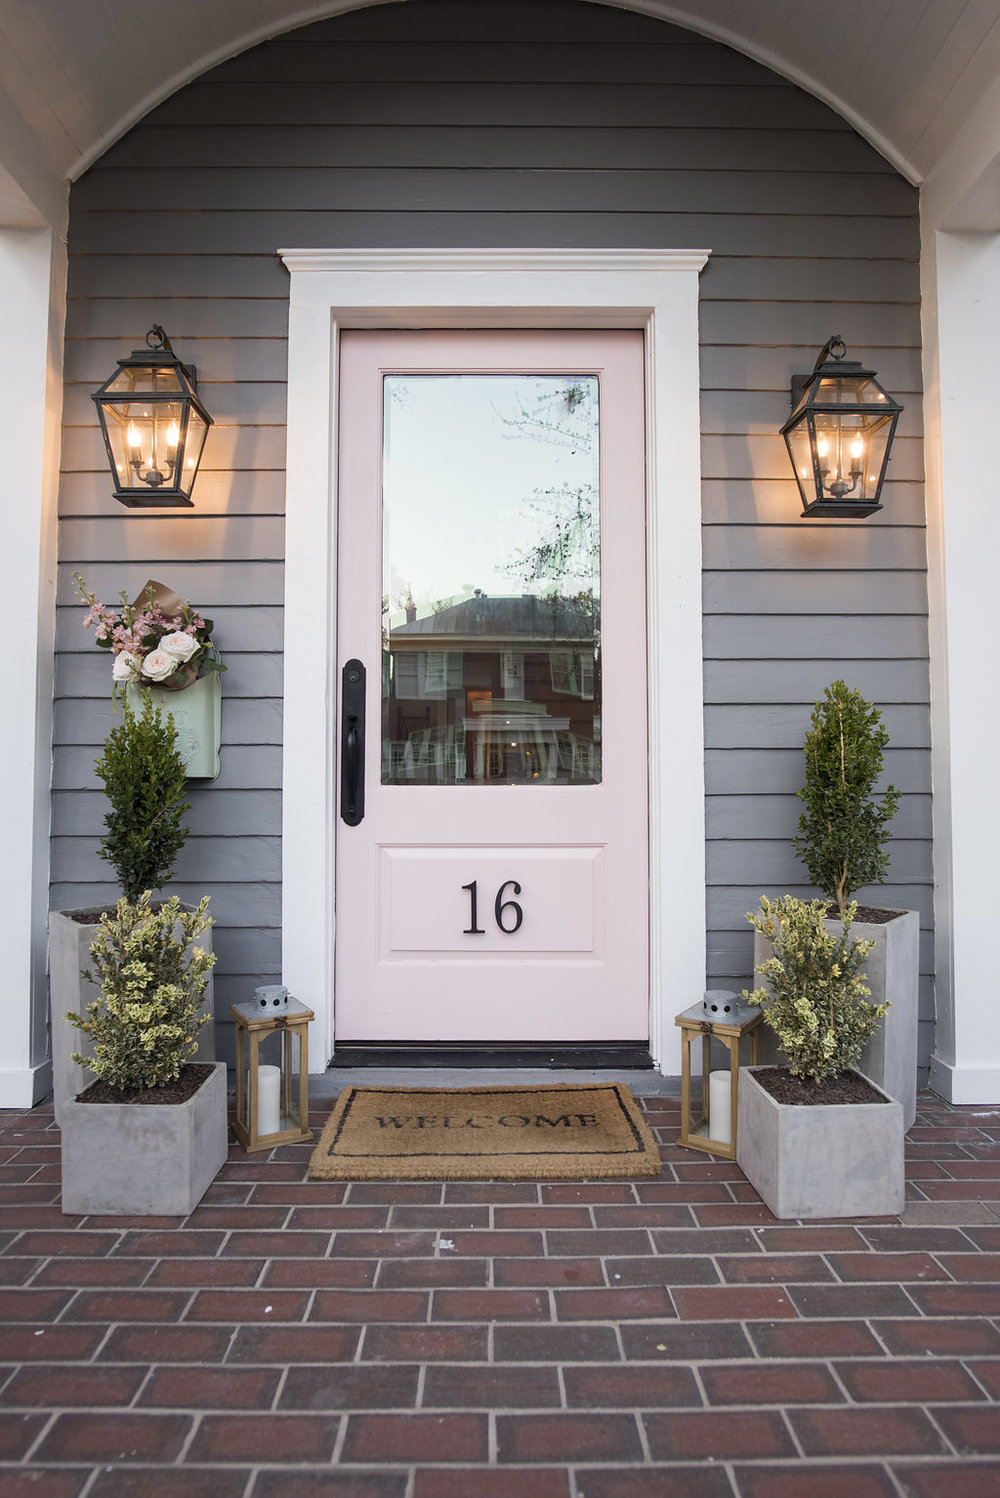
(501, 690)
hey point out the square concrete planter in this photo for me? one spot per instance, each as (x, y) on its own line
(144, 1159)
(832, 1160)
(69, 956)
(892, 972)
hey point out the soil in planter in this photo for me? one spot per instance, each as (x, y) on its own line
(845, 1087)
(192, 1076)
(869, 915)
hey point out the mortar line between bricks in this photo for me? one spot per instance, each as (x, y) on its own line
(895, 1481)
(195, 1426)
(229, 1347)
(153, 1265)
(275, 1404)
(133, 1403)
(338, 1441)
(89, 1482)
(43, 1432)
(639, 1420)
(928, 1412)
(418, 1393)
(492, 1439)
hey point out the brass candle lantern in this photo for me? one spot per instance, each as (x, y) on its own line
(272, 1097)
(710, 1124)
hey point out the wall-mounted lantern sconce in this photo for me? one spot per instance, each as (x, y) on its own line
(154, 425)
(839, 435)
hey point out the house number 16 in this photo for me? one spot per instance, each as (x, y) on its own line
(503, 910)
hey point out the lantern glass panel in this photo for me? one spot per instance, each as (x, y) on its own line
(147, 441)
(144, 379)
(850, 452)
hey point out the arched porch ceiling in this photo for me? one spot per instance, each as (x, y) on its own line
(73, 78)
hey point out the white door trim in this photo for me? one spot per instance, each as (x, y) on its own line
(656, 290)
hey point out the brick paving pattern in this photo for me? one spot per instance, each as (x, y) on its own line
(663, 1337)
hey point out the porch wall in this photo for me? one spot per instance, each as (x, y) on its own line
(503, 124)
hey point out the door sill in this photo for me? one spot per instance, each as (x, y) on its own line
(609, 1056)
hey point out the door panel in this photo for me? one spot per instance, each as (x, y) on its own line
(491, 581)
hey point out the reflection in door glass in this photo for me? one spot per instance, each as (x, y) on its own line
(491, 662)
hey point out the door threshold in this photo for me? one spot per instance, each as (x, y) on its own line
(613, 1056)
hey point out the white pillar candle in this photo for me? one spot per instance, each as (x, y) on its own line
(268, 1099)
(719, 1124)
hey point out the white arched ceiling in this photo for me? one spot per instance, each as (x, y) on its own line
(74, 78)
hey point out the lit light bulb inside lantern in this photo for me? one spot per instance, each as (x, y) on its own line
(858, 447)
(132, 436)
(822, 446)
(173, 434)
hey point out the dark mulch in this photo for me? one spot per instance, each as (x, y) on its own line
(191, 1078)
(871, 915)
(846, 1087)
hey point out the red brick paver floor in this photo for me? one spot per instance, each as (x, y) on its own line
(667, 1337)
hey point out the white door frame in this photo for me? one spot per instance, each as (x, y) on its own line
(656, 290)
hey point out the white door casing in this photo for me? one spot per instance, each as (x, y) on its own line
(656, 290)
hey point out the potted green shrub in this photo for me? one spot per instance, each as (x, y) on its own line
(151, 1133)
(816, 1138)
(144, 780)
(842, 842)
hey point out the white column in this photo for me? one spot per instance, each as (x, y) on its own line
(32, 301)
(963, 318)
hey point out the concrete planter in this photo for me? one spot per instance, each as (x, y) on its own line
(144, 1159)
(892, 972)
(832, 1160)
(69, 956)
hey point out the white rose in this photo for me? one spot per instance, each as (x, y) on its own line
(158, 665)
(180, 645)
(125, 666)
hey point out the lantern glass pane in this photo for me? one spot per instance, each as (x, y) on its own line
(144, 379)
(194, 442)
(847, 390)
(850, 451)
(800, 452)
(145, 437)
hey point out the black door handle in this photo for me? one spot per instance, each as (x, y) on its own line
(352, 743)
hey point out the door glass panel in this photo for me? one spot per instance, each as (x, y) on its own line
(491, 661)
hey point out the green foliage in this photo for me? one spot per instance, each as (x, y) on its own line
(144, 779)
(144, 1024)
(816, 1000)
(843, 830)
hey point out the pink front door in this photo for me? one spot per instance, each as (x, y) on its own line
(491, 859)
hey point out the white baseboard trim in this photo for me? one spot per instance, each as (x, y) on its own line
(26, 1086)
(976, 1085)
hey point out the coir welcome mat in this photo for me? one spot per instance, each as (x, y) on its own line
(510, 1133)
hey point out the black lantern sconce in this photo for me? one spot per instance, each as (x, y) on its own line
(154, 425)
(839, 436)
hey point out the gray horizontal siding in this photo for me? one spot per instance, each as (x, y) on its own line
(444, 123)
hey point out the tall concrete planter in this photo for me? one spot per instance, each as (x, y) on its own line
(892, 972)
(827, 1160)
(144, 1159)
(70, 937)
